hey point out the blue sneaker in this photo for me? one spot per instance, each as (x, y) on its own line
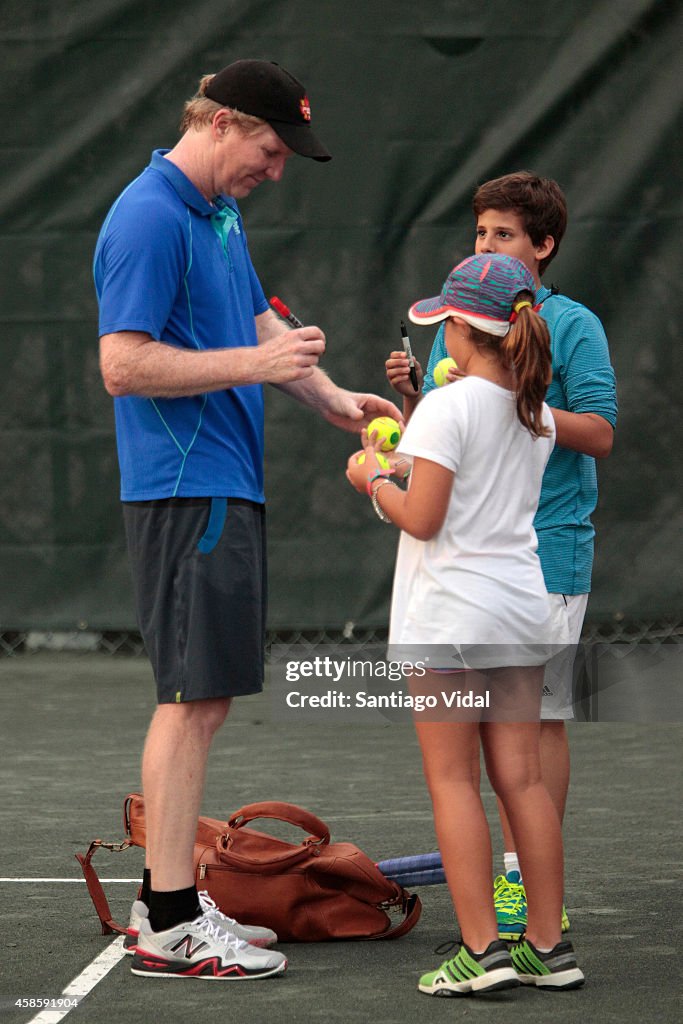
(509, 900)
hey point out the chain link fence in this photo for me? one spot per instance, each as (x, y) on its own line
(129, 643)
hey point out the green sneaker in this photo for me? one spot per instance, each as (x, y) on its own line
(509, 899)
(556, 969)
(472, 972)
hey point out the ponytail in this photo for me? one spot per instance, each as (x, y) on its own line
(526, 350)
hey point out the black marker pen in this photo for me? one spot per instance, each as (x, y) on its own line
(411, 360)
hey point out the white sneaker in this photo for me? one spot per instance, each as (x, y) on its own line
(254, 934)
(201, 949)
(138, 912)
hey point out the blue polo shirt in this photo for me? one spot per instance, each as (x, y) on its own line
(583, 381)
(170, 264)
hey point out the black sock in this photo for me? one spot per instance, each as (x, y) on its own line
(167, 909)
(146, 887)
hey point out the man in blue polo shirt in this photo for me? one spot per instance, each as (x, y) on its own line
(187, 340)
(525, 216)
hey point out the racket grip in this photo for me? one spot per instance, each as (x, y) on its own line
(419, 869)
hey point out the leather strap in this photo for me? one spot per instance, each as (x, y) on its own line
(270, 861)
(413, 909)
(282, 812)
(94, 885)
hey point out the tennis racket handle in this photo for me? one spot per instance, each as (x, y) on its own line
(419, 869)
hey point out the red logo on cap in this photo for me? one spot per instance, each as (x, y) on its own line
(305, 108)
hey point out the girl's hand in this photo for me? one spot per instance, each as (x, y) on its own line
(358, 475)
(455, 373)
(355, 474)
(398, 374)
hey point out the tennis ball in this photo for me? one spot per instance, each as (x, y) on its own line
(383, 461)
(441, 371)
(387, 430)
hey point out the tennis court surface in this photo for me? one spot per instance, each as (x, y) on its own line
(72, 732)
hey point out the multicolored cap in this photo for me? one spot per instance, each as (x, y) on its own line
(481, 290)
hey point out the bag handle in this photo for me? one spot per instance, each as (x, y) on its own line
(127, 804)
(94, 885)
(281, 811)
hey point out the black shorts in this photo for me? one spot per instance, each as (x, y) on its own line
(199, 578)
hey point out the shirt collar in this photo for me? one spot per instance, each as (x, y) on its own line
(541, 295)
(188, 192)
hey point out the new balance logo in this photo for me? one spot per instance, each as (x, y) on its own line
(186, 949)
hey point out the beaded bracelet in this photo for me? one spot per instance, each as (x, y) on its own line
(375, 476)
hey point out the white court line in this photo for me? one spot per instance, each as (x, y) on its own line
(85, 982)
(93, 973)
(79, 880)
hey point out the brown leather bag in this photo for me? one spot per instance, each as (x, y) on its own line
(307, 892)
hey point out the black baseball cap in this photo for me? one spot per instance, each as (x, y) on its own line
(264, 89)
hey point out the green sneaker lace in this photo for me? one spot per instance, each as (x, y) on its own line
(509, 897)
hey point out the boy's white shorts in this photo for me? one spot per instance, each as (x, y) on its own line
(567, 613)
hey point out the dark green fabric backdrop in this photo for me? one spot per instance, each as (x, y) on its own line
(418, 102)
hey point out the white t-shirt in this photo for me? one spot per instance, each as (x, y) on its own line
(478, 581)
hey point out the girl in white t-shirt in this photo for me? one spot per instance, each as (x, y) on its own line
(470, 612)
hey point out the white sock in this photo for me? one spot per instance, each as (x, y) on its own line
(512, 864)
